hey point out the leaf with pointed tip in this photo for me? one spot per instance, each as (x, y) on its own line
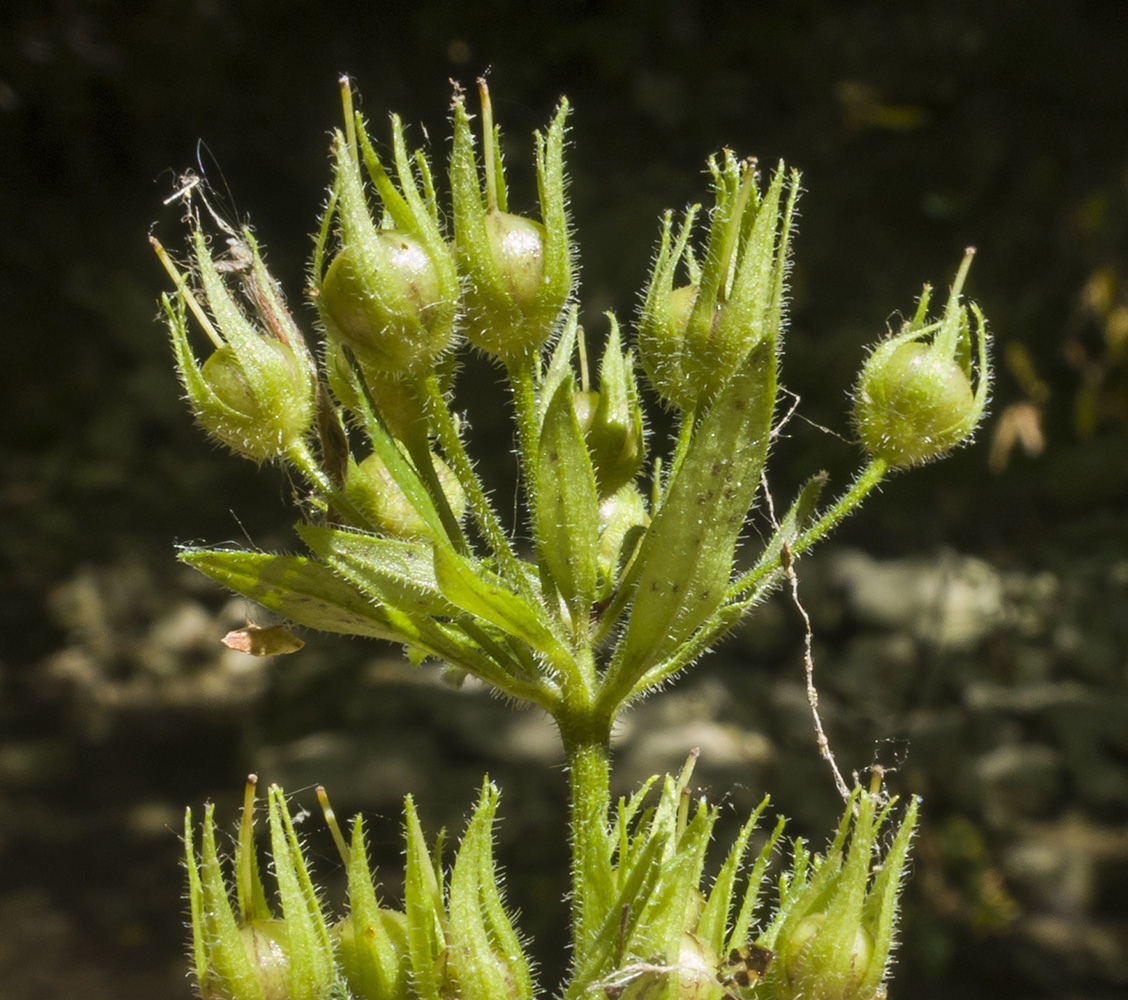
(567, 505)
(690, 546)
(300, 589)
(387, 570)
(476, 592)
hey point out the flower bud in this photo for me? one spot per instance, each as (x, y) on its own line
(611, 419)
(517, 274)
(371, 487)
(391, 291)
(692, 338)
(622, 520)
(256, 392)
(833, 932)
(258, 956)
(915, 399)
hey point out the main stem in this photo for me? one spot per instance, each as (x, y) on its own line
(587, 749)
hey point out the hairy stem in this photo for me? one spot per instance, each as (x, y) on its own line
(587, 751)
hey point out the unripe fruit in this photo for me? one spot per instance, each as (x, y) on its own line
(382, 298)
(517, 245)
(267, 948)
(255, 413)
(371, 487)
(914, 401)
(813, 973)
(912, 404)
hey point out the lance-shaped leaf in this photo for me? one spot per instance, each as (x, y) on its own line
(480, 594)
(690, 545)
(567, 514)
(297, 588)
(745, 593)
(387, 570)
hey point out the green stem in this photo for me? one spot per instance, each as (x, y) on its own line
(442, 422)
(522, 379)
(587, 751)
(867, 479)
(302, 459)
(419, 448)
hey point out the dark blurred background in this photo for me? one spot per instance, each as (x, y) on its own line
(978, 647)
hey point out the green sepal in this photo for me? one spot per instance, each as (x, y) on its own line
(249, 891)
(689, 546)
(423, 904)
(614, 433)
(622, 525)
(297, 588)
(672, 901)
(517, 273)
(661, 326)
(370, 960)
(880, 914)
(486, 956)
(228, 965)
(559, 364)
(714, 919)
(738, 934)
(197, 909)
(636, 877)
(733, 309)
(567, 512)
(312, 970)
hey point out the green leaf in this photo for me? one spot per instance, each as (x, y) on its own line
(387, 570)
(689, 549)
(402, 576)
(471, 588)
(567, 514)
(304, 591)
